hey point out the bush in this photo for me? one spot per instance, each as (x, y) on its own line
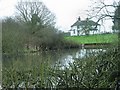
(13, 37)
(96, 71)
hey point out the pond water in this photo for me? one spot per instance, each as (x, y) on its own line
(63, 57)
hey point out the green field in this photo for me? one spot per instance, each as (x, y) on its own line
(99, 38)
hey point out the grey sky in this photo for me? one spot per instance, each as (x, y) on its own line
(66, 11)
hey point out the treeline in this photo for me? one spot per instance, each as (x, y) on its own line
(32, 29)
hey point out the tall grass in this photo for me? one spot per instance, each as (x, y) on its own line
(91, 72)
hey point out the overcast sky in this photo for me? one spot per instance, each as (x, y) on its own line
(66, 11)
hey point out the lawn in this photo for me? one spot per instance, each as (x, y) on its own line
(99, 38)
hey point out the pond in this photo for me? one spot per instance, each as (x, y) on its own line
(62, 57)
(34, 69)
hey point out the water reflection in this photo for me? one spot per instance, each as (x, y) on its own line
(64, 57)
(70, 56)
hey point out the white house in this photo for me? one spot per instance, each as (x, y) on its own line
(84, 27)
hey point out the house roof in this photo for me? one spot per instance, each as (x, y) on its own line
(84, 22)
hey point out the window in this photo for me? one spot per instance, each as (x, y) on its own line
(74, 31)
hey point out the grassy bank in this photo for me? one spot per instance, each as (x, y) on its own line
(100, 38)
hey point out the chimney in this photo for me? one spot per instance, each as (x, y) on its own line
(79, 19)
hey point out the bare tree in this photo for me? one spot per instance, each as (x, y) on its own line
(102, 10)
(39, 22)
(117, 19)
(27, 11)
